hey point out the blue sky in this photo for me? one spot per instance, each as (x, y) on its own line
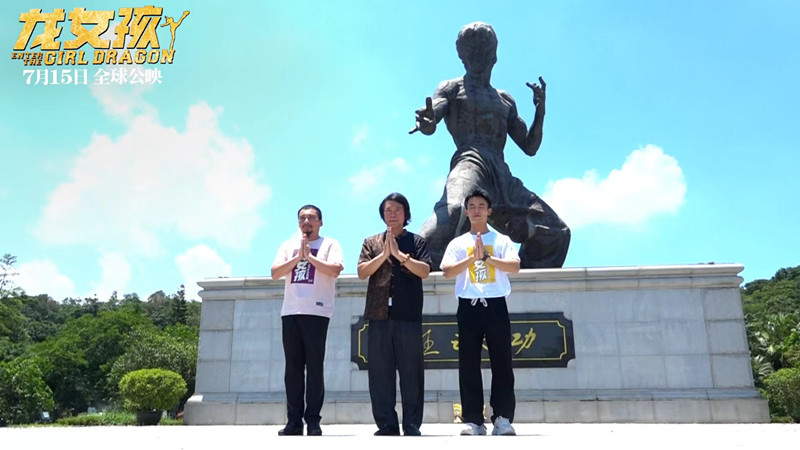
(670, 135)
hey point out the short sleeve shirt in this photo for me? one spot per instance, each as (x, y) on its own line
(308, 291)
(394, 280)
(481, 280)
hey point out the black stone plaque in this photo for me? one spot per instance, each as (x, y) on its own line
(537, 340)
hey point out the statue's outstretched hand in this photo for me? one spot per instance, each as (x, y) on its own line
(426, 119)
(538, 92)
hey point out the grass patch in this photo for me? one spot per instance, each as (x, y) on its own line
(109, 418)
(99, 419)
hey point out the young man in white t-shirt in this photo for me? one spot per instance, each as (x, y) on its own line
(480, 261)
(310, 265)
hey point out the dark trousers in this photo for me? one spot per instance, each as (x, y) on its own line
(474, 323)
(395, 346)
(304, 339)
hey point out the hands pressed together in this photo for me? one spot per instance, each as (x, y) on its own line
(390, 245)
(305, 248)
(480, 250)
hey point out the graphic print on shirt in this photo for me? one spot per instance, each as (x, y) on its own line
(304, 271)
(479, 271)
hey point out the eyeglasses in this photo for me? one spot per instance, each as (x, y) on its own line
(310, 218)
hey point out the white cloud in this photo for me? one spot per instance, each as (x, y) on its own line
(123, 101)
(369, 177)
(362, 132)
(115, 276)
(197, 263)
(124, 193)
(649, 183)
(42, 277)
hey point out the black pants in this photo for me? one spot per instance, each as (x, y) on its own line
(474, 323)
(396, 346)
(304, 339)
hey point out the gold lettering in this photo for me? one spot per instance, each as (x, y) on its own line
(121, 30)
(140, 57)
(111, 57)
(523, 344)
(427, 344)
(166, 56)
(48, 37)
(140, 24)
(126, 57)
(100, 19)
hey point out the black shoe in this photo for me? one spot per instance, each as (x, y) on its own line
(291, 430)
(388, 431)
(313, 430)
(411, 430)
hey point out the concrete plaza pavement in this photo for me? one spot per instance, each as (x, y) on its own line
(529, 435)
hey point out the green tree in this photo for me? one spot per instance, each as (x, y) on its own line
(179, 307)
(782, 390)
(7, 272)
(12, 321)
(23, 392)
(64, 368)
(42, 319)
(159, 309)
(173, 349)
(77, 360)
(772, 316)
(779, 295)
(193, 314)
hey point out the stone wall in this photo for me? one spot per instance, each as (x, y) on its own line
(652, 344)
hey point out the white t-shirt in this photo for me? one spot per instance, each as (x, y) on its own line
(481, 280)
(308, 291)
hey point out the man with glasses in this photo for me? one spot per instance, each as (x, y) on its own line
(310, 264)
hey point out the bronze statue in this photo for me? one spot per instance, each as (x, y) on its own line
(479, 118)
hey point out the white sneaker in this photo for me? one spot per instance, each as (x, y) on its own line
(502, 427)
(473, 430)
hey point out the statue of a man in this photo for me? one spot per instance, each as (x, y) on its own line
(479, 118)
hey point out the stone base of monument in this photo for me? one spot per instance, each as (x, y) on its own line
(611, 344)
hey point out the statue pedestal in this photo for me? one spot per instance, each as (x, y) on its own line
(651, 344)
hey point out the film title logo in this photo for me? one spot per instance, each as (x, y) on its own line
(134, 40)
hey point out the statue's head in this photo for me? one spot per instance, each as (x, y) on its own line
(477, 47)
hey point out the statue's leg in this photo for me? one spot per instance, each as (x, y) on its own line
(447, 220)
(548, 241)
(547, 248)
(544, 236)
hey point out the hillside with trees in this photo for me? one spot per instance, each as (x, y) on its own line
(65, 357)
(772, 317)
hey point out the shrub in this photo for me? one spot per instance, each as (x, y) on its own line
(782, 389)
(108, 418)
(99, 419)
(151, 389)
